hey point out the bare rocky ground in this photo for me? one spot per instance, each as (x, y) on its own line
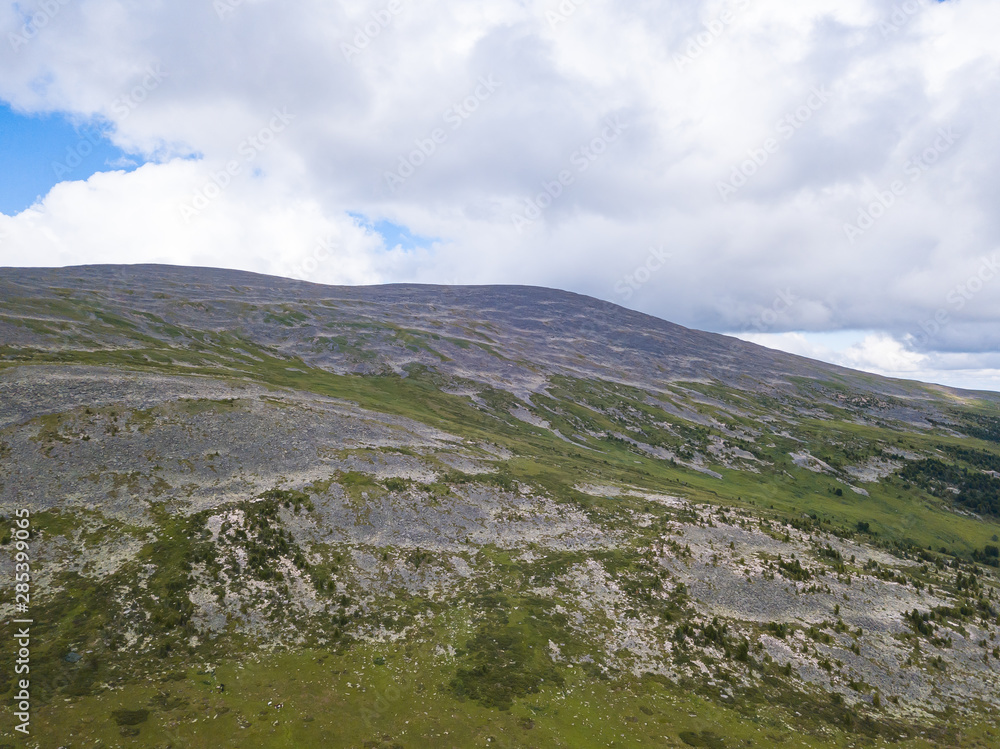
(198, 445)
(532, 486)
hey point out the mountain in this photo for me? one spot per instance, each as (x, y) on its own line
(271, 513)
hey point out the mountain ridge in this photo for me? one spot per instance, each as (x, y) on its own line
(272, 513)
(468, 296)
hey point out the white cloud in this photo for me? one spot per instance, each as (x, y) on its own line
(887, 96)
(882, 354)
(118, 217)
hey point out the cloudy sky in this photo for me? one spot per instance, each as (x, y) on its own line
(822, 177)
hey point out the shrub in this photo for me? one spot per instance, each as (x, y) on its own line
(705, 738)
(778, 630)
(502, 667)
(130, 717)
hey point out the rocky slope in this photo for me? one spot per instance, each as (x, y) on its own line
(270, 513)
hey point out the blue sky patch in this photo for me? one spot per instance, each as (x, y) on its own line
(39, 151)
(394, 234)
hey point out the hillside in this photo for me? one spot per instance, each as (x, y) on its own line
(271, 513)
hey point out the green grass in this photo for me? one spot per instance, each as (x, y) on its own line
(399, 696)
(543, 460)
(504, 686)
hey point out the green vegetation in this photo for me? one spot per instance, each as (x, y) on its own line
(511, 654)
(971, 488)
(507, 660)
(265, 540)
(406, 701)
(982, 426)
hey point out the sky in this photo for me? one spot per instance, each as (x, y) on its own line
(820, 177)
